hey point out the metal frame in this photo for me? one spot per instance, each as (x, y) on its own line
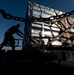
(56, 18)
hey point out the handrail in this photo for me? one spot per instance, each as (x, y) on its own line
(17, 43)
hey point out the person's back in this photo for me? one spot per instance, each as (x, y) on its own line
(13, 29)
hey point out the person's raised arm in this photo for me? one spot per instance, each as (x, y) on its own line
(20, 32)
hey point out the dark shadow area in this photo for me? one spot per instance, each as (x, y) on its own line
(31, 61)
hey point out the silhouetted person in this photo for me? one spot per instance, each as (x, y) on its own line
(9, 38)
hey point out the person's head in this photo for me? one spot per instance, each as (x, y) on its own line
(18, 25)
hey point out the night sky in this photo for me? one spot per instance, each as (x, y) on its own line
(18, 8)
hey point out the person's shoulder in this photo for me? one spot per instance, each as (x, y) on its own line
(13, 26)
